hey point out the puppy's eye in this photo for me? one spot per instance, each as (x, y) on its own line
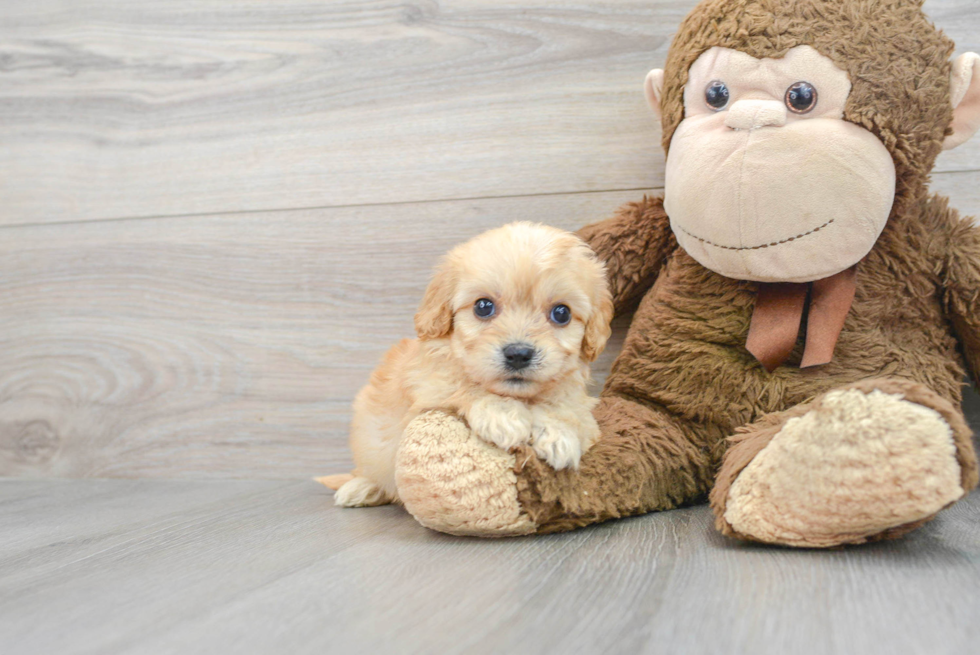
(560, 315)
(716, 95)
(484, 308)
(801, 97)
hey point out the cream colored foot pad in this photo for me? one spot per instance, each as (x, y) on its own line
(453, 482)
(854, 466)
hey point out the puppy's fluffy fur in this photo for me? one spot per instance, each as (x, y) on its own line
(459, 363)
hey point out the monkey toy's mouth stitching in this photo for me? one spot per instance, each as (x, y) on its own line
(760, 247)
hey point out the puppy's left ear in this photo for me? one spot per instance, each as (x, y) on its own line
(434, 320)
(597, 328)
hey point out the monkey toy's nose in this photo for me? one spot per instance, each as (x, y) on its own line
(753, 114)
(518, 355)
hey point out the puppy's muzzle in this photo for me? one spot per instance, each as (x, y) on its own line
(518, 356)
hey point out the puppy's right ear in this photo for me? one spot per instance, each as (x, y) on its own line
(434, 319)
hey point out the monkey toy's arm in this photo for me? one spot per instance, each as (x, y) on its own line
(634, 244)
(962, 280)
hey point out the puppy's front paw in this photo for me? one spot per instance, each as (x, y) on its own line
(504, 422)
(557, 443)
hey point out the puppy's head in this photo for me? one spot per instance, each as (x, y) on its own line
(522, 305)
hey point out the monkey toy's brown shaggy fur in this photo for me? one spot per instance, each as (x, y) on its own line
(867, 446)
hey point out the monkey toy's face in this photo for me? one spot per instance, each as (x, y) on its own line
(765, 181)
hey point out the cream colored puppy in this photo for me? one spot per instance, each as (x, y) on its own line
(506, 330)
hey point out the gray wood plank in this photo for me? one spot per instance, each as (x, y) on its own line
(48, 511)
(228, 346)
(962, 189)
(122, 108)
(276, 568)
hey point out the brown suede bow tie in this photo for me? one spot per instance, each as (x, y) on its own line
(779, 312)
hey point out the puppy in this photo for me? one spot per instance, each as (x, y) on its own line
(506, 331)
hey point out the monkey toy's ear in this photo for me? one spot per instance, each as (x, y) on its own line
(964, 93)
(653, 87)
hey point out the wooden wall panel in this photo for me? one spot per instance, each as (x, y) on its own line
(167, 305)
(125, 108)
(226, 346)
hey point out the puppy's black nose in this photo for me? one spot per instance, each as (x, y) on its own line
(518, 355)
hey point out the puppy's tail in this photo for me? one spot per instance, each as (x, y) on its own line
(335, 481)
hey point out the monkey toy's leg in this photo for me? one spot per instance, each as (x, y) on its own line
(868, 461)
(455, 483)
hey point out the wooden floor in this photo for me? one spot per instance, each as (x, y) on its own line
(216, 215)
(157, 566)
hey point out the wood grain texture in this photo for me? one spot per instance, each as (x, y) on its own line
(122, 108)
(962, 189)
(272, 567)
(227, 346)
(231, 345)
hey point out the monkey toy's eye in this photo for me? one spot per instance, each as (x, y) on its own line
(801, 97)
(484, 308)
(560, 315)
(716, 95)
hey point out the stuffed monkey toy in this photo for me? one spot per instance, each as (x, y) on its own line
(805, 310)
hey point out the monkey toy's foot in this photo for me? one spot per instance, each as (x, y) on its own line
(870, 461)
(454, 482)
